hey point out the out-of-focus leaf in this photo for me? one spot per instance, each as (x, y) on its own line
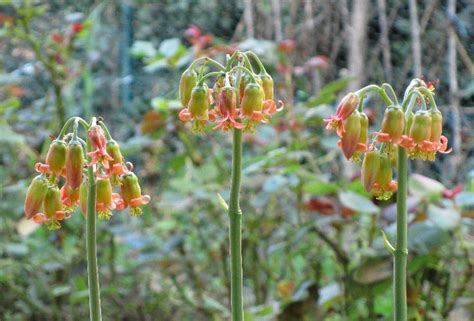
(327, 93)
(274, 183)
(358, 203)
(61, 290)
(424, 237)
(373, 270)
(425, 187)
(317, 187)
(446, 218)
(330, 294)
(143, 49)
(465, 199)
(16, 249)
(169, 47)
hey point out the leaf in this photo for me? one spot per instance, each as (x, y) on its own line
(329, 294)
(445, 218)
(465, 199)
(170, 47)
(425, 187)
(317, 187)
(143, 49)
(358, 203)
(274, 183)
(222, 202)
(327, 93)
(424, 237)
(373, 270)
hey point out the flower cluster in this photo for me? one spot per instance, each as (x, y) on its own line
(62, 183)
(420, 133)
(239, 98)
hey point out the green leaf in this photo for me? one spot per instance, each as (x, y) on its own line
(445, 218)
(425, 187)
(465, 199)
(222, 202)
(327, 93)
(317, 187)
(358, 203)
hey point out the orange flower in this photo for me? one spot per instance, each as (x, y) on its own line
(98, 141)
(345, 108)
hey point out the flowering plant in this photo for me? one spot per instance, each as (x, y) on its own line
(66, 181)
(240, 99)
(404, 133)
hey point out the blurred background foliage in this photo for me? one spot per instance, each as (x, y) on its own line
(312, 242)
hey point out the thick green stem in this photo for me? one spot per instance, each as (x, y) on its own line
(92, 270)
(235, 230)
(401, 251)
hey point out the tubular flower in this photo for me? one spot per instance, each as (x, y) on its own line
(370, 168)
(55, 159)
(53, 209)
(132, 194)
(350, 137)
(99, 153)
(186, 84)
(225, 110)
(74, 164)
(392, 125)
(267, 85)
(116, 165)
(418, 141)
(345, 108)
(104, 201)
(70, 197)
(439, 141)
(384, 186)
(198, 107)
(35, 195)
(362, 145)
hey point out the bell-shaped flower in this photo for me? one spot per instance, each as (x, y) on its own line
(35, 195)
(350, 137)
(186, 84)
(74, 164)
(384, 186)
(53, 209)
(116, 165)
(439, 141)
(198, 107)
(132, 194)
(225, 111)
(55, 159)
(98, 141)
(69, 197)
(345, 108)
(392, 125)
(417, 142)
(104, 200)
(370, 168)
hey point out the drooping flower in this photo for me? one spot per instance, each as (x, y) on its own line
(198, 107)
(225, 111)
(69, 197)
(116, 165)
(384, 186)
(104, 201)
(35, 195)
(55, 159)
(345, 108)
(98, 141)
(350, 137)
(417, 142)
(186, 84)
(74, 164)
(370, 168)
(362, 144)
(392, 125)
(53, 209)
(132, 194)
(439, 141)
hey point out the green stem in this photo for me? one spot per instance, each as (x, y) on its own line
(401, 251)
(235, 228)
(92, 270)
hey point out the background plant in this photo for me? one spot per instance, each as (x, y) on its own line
(310, 222)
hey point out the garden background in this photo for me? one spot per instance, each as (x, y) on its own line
(312, 242)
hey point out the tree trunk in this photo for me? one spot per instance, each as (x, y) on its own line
(248, 17)
(415, 40)
(455, 158)
(357, 42)
(276, 8)
(387, 65)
